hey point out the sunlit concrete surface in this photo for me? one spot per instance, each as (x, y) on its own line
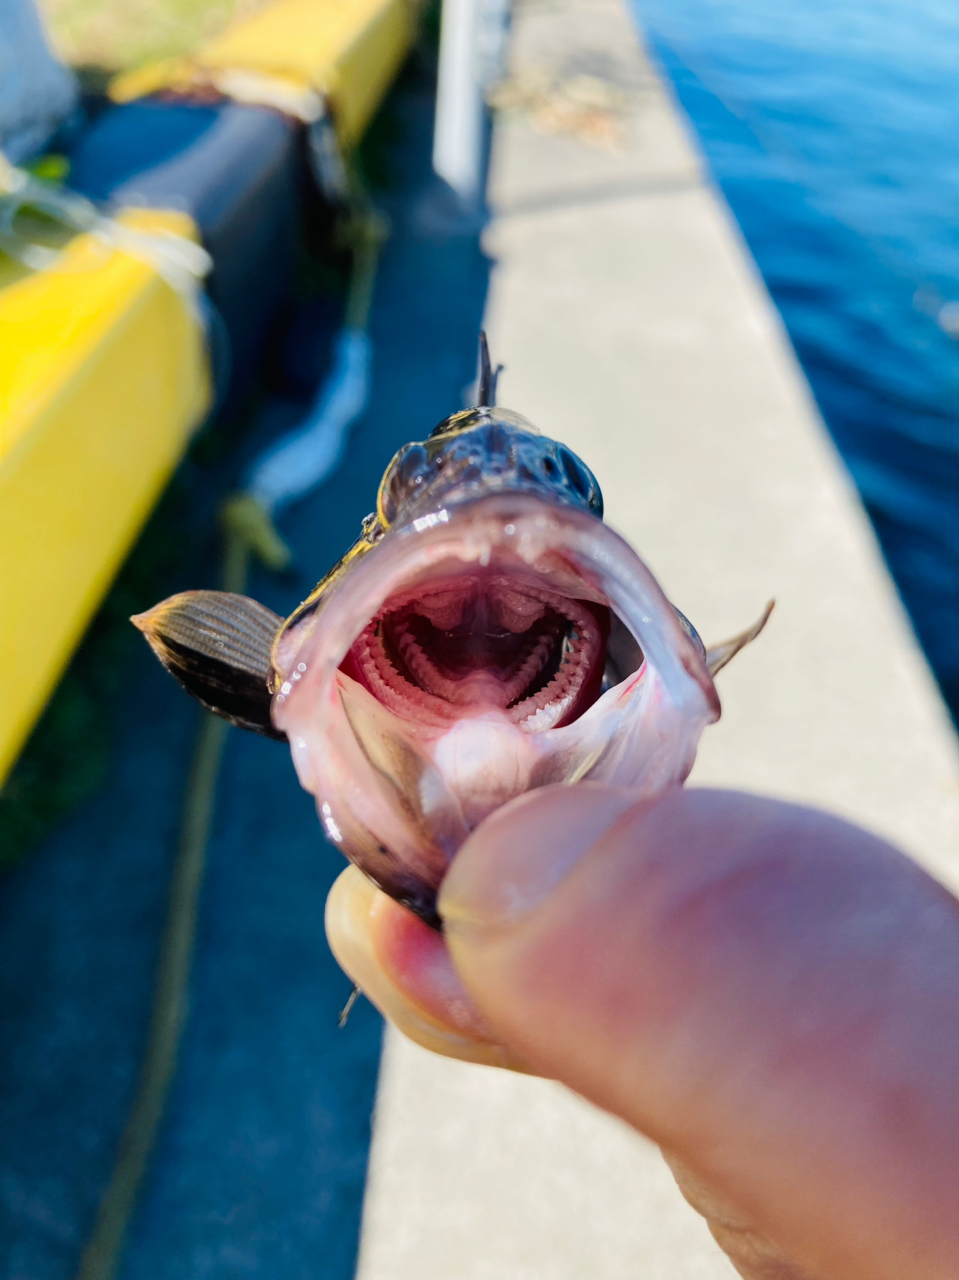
(634, 327)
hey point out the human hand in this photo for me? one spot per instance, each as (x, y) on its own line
(770, 994)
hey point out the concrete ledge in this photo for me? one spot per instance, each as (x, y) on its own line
(634, 327)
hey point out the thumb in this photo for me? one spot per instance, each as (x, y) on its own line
(766, 991)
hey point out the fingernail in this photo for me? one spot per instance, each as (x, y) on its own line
(514, 860)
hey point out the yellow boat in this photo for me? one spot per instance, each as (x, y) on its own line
(104, 365)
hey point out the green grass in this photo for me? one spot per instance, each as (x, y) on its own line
(117, 34)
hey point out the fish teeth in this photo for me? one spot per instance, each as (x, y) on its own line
(424, 683)
(547, 716)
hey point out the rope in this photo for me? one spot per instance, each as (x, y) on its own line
(304, 458)
(180, 261)
(170, 1006)
(248, 531)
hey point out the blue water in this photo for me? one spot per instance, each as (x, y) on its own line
(833, 130)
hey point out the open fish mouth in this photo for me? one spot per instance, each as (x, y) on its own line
(474, 653)
(483, 641)
(450, 663)
(487, 634)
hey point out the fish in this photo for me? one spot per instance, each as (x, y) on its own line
(487, 634)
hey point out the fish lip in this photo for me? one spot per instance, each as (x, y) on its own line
(326, 636)
(398, 798)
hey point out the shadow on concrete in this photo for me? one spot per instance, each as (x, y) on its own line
(262, 1158)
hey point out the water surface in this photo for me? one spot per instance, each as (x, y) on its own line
(833, 130)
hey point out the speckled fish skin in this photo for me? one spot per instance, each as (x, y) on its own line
(473, 453)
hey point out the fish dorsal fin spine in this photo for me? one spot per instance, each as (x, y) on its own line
(488, 376)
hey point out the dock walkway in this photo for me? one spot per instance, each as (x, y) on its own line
(634, 327)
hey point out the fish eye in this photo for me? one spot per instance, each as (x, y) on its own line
(406, 473)
(413, 465)
(581, 481)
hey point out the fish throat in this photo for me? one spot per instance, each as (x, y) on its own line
(483, 642)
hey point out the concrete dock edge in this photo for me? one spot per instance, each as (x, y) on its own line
(634, 327)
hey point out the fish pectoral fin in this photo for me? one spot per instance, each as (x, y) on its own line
(720, 654)
(217, 645)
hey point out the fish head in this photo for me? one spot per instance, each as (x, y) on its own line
(494, 636)
(479, 452)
